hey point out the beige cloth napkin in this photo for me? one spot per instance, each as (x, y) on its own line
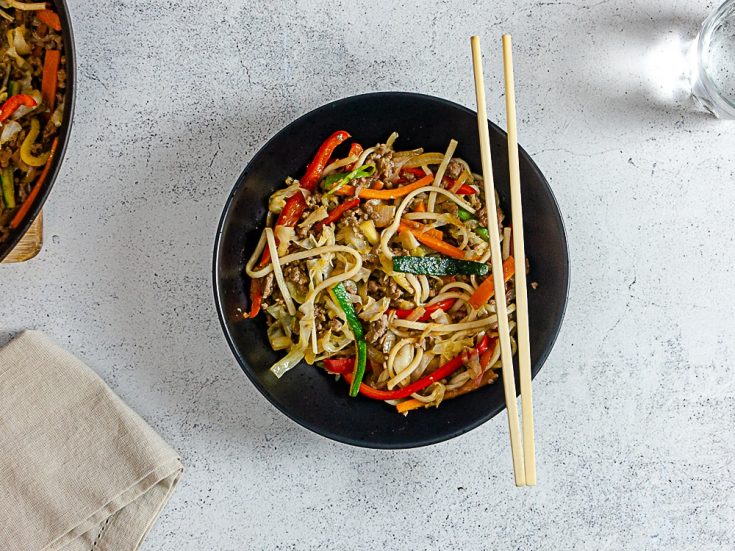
(79, 470)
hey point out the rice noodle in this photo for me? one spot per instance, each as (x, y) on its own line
(424, 159)
(425, 289)
(393, 228)
(278, 272)
(445, 219)
(506, 243)
(416, 286)
(457, 285)
(255, 256)
(440, 173)
(293, 257)
(402, 375)
(400, 155)
(460, 299)
(458, 381)
(339, 163)
(394, 352)
(332, 281)
(361, 159)
(449, 328)
(391, 140)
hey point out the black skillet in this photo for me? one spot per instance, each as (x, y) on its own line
(64, 131)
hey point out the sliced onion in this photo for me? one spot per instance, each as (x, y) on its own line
(285, 235)
(29, 6)
(19, 41)
(425, 159)
(10, 130)
(374, 309)
(320, 213)
(58, 116)
(383, 215)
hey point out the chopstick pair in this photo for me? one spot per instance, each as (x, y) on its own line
(524, 458)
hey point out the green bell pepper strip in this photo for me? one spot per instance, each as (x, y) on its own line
(343, 299)
(6, 176)
(438, 266)
(335, 181)
(465, 216)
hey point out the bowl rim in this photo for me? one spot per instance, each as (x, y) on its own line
(245, 366)
(67, 34)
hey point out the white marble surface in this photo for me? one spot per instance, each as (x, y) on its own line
(635, 408)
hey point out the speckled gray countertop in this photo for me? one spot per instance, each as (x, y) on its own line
(635, 407)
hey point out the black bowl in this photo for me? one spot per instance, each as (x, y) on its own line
(307, 394)
(64, 131)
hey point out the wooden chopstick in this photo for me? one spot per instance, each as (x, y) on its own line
(524, 346)
(506, 354)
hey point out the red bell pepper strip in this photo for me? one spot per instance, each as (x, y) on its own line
(256, 298)
(356, 150)
(339, 365)
(443, 372)
(12, 104)
(289, 217)
(464, 189)
(428, 310)
(419, 172)
(316, 166)
(337, 213)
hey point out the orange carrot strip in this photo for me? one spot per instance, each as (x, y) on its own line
(487, 288)
(409, 225)
(50, 18)
(421, 207)
(384, 194)
(26, 206)
(395, 192)
(378, 185)
(440, 246)
(408, 405)
(50, 78)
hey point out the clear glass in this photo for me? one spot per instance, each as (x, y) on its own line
(713, 78)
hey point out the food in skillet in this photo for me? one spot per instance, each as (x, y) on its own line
(377, 265)
(32, 91)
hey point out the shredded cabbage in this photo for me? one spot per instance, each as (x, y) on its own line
(19, 40)
(10, 130)
(374, 309)
(289, 361)
(278, 200)
(284, 235)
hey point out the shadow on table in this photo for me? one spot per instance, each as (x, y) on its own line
(638, 68)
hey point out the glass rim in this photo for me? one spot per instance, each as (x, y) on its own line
(710, 87)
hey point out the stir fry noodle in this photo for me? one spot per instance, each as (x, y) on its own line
(375, 265)
(32, 96)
